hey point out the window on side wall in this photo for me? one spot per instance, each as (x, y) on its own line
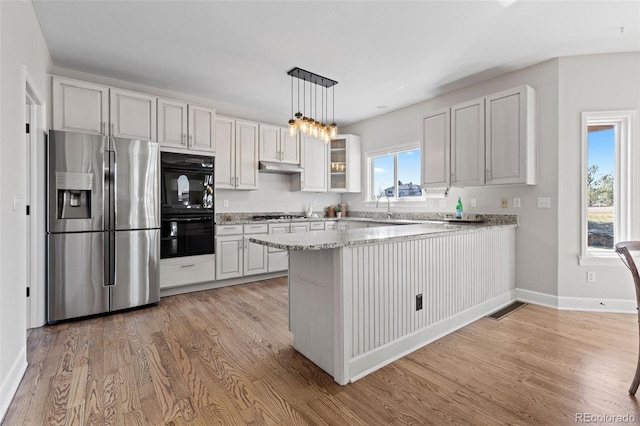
(395, 173)
(610, 155)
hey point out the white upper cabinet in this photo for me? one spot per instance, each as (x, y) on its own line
(133, 115)
(467, 144)
(202, 123)
(236, 154)
(269, 143)
(278, 146)
(90, 108)
(344, 164)
(172, 124)
(289, 147)
(80, 107)
(185, 127)
(225, 172)
(436, 148)
(246, 155)
(314, 162)
(511, 147)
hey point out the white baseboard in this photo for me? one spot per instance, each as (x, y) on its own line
(542, 299)
(379, 357)
(589, 304)
(12, 381)
(190, 288)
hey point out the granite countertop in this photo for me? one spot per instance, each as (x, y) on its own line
(320, 240)
(246, 221)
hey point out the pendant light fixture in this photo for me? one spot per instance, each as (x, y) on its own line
(315, 124)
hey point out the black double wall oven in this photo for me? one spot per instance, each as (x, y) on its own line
(187, 205)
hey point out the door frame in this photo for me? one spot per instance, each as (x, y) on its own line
(36, 162)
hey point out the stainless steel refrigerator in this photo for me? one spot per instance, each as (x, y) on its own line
(103, 228)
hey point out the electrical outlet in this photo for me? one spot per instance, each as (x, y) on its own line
(473, 202)
(591, 277)
(505, 203)
(430, 203)
(443, 203)
(516, 203)
(225, 203)
(419, 302)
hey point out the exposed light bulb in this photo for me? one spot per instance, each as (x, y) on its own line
(333, 130)
(292, 127)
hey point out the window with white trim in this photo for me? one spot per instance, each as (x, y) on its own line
(610, 158)
(395, 173)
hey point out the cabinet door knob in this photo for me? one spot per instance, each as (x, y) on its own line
(184, 138)
(190, 140)
(102, 128)
(113, 133)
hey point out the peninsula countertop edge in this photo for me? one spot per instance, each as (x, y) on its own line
(322, 240)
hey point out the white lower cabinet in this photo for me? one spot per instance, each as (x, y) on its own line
(277, 260)
(179, 271)
(299, 227)
(316, 226)
(236, 255)
(255, 255)
(229, 250)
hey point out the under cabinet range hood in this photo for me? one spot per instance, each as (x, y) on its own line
(273, 167)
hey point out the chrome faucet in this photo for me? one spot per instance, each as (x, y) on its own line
(388, 205)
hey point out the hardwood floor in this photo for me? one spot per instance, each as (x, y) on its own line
(224, 357)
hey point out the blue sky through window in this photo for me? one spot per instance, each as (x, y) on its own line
(408, 170)
(601, 151)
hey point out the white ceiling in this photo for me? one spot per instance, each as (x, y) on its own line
(391, 53)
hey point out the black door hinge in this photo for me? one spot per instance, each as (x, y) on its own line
(28, 291)
(28, 210)
(27, 127)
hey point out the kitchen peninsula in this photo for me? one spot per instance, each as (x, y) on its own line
(362, 298)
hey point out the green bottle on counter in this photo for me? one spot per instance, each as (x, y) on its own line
(459, 209)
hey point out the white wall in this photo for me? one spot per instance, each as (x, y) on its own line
(274, 193)
(589, 83)
(21, 43)
(536, 240)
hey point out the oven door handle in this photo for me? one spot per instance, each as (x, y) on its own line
(187, 219)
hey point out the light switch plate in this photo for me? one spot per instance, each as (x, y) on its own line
(516, 203)
(473, 202)
(505, 203)
(443, 203)
(544, 202)
(225, 203)
(430, 203)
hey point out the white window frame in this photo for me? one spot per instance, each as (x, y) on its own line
(626, 182)
(397, 149)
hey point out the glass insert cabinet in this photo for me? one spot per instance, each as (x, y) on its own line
(345, 164)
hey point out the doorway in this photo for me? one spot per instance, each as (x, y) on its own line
(34, 152)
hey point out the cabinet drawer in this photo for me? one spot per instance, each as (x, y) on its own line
(229, 230)
(262, 228)
(187, 271)
(316, 226)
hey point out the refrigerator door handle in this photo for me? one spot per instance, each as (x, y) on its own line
(112, 194)
(106, 190)
(107, 260)
(112, 256)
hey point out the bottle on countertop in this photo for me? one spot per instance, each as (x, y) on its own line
(459, 209)
(309, 211)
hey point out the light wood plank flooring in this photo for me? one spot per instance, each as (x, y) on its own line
(224, 356)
